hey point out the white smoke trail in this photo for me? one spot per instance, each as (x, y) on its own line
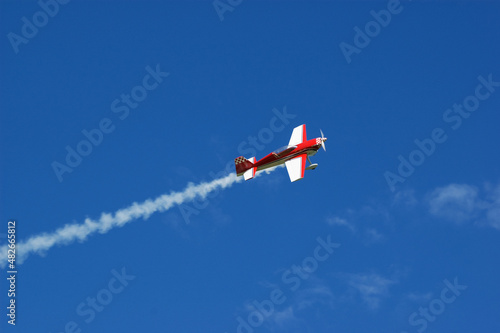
(70, 232)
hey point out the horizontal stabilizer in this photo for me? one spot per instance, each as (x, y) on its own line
(250, 173)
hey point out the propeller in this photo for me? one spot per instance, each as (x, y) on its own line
(323, 139)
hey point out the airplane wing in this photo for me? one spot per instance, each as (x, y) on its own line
(296, 166)
(298, 135)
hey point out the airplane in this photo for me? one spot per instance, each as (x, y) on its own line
(294, 156)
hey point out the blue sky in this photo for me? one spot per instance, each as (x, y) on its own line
(397, 230)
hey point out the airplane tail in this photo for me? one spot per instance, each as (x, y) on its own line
(245, 167)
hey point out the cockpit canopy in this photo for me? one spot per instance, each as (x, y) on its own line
(283, 149)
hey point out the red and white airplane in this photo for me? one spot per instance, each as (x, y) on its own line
(294, 156)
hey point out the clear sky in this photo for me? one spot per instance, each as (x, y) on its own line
(107, 103)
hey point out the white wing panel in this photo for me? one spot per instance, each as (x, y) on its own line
(295, 167)
(298, 135)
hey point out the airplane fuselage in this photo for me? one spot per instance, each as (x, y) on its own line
(309, 147)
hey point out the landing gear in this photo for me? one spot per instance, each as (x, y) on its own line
(311, 166)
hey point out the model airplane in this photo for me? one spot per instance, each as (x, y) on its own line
(294, 156)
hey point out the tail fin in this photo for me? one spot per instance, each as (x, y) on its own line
(245, 167)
